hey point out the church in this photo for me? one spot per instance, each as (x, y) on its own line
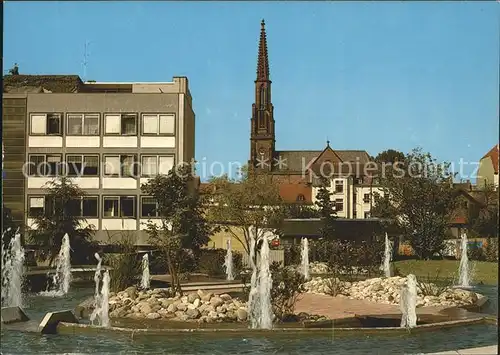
(296, 169)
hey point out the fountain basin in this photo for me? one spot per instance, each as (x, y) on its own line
(78, 329)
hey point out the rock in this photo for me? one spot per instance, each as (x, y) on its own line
(192, 297)
(191, 306)
(225, 297)
(212, 315)
(216, 301)
(146, 309)
(166, 302)
(183, 317)
(196, 303)
(184, 299)
(207, 296)
(242, 314)
(192, 313)
(182, 306)
(131, 292)
(153, 316)
(172, 308)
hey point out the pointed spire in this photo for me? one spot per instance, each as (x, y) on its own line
(262, 61)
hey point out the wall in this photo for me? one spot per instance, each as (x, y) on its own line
(13, 138)
(485, 173)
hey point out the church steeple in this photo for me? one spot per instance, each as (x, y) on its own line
(262, 61)
(262, 136)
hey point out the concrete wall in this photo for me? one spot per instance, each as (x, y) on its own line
(486, 173)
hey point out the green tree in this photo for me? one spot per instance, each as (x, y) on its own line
(252, 201)
(326, 210)
(418, 201)
(183, 228)
(483, 216)
(62, 215)
(390, 156)
(297, 210)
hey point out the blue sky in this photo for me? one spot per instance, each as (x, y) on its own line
(369, 76)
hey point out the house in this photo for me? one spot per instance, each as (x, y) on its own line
(487, 173)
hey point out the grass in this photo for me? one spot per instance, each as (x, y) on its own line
(483, 271)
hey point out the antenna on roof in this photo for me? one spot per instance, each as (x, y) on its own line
(85, 59)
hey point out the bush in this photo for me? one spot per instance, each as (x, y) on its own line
(475, 252)
(433, 285)
(158, 262)
(287, 285)
(292, 255)
(125, 266)
(211, 262)
(491, 250)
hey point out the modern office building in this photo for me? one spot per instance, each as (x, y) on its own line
(112, 135)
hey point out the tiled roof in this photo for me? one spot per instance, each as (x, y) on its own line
(297, 159)
(41, 83)
(290, 193)
(493, 154)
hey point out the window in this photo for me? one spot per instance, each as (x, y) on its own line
(366, 198)
(120, 165)
(339, 204)
(149, 207)
(301, 198)
(45, 165)
(153, 124)
(84, 207)
(124, 124)
(36, 206)
(153, 165)
(82, 165)
(122, 206)
(339, 186)
(46, 124)
(83, 124)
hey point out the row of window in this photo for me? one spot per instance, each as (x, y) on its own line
(121, 165)
(88, 206)
(88, 124)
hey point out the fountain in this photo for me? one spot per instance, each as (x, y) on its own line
(104, 306)
(408, 302)
(62, 277)
(97, 296)
(13, 272)
(228, 262)
(253, 301)
(145, 272)
(259, 300)
(305, 258)
(386, 263)
(4, 269)
(464, 269)
(265, 285)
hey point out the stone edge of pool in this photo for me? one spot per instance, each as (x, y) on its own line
(76, 329)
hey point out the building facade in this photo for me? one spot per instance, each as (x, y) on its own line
(297, 171)
(487, 173)
(108, 137)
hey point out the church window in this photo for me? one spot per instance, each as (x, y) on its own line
(262, 96)
(301, 198)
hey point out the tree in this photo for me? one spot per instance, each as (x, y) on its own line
(419, 202)
(7, 222)
(390, 156)
(183, 227)
(483, 216)
(62, 215)
(297, 210)
(326, 210)
(253, 201)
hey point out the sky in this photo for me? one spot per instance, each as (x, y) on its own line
(364, 75)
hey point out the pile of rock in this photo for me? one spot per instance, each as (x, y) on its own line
(387, 290)
(200, 306)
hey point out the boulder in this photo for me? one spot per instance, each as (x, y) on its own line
(216, 301)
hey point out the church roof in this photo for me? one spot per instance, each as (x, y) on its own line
(493, 155)
(296, 160)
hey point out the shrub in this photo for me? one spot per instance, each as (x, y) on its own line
(292, 255)
(476, 252)
(125, 266)
(287, 286)
(491, 250)
(211, 262)
(434, 285)
(158, 262)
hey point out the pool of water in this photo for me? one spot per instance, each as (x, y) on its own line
(13, 342)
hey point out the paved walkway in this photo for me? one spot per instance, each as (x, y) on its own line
(485, 350)
(336, 307)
